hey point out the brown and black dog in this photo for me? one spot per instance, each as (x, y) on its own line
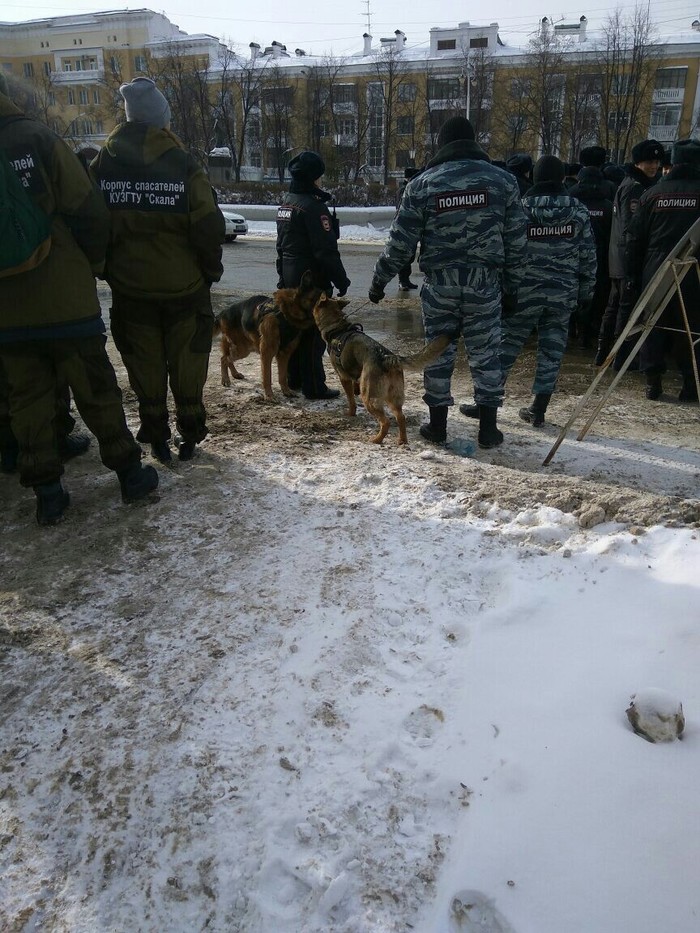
(363, 364)
(268, 326)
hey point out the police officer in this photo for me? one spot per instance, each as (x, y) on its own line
(665, 213)
(469, 220)
(597, 193)
(520, 166)
(164, 253)
(560, 276)
(307, 238)
(640, 175)
(51, 328)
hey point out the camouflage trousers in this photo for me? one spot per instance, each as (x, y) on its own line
(161, 342)
(551, 320)
(36, 371)
(472, 310)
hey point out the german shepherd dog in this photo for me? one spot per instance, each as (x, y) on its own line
(367, 368)
(271, 327)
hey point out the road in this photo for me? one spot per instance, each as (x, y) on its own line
(249, 267)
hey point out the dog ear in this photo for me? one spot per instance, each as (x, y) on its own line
(307, 281)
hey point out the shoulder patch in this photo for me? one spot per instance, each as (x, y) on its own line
(284, 213)
(595, 212)
(546, 231)
(326, 222)
(461, 200)
(676, 202)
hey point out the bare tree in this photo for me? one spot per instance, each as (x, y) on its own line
(277, 112)
(582, 111)
(626, 59)
(478, 70)
(390, 73)
(238, 107)
(544, 88)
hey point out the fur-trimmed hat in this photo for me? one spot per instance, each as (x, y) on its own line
(592, 156)
(453, 129)
(144, 103)
(519, 164)
(686, 151)
(308, 164)
(548, 168)
(647, 151)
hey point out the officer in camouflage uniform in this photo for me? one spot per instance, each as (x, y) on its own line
(467, 215)
(51, 328)
(560, 277)
(164, 253)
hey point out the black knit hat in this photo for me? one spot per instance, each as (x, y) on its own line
(548, 168)
(307, 164)
(592, 155)
(686, 151)
(647, 151)
(519, 164)
(453, 129)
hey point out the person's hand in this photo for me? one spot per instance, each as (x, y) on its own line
(343, 291)
(376, 292)
(509, 303)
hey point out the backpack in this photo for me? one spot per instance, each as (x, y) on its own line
(25, 230)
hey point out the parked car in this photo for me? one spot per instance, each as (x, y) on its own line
(236, 224)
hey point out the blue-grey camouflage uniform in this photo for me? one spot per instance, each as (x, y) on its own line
(467, 215)
(560, 276)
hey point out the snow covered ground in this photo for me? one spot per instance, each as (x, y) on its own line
(357, 233)
(327, 687)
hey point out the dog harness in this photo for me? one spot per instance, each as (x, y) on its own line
(336, 344)
(287, 331)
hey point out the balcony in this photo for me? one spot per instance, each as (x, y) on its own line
(68, 78)
(664, 134)
(668, 95)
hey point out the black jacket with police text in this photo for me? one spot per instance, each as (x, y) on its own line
(306, 239)
(594, 191)
(627, 196)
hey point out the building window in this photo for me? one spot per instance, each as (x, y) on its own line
(346, 127)
(623, 85)
(345, 94)
(83, 96)
(71, 96)
(278, 96)
(618, 120)
(590, 85)
(405, 126)
(255, 159)
(95, 96)
(140, 62)
(47, 68)
(444, 88)
(670, 78)
(666, 116)
(28, 69)
(481, 42)
(51, 99)
(444, 45)
(323, 129)
(406, 92)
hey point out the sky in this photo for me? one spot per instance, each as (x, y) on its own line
(338, 27)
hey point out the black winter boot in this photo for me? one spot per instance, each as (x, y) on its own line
(161, 451)
(604, 348)
(654, 388)
(72, 445)
(689, 390)
(137, 482)
(52, 500)
(436, 430)
(534, 415)
(489, 435)
(186, 450)
(469, 411)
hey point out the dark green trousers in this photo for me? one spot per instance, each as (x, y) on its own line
(161, 343)
(36, 372)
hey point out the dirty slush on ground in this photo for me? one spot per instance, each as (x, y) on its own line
(103, 646)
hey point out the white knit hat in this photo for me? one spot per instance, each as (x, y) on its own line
(144, 103)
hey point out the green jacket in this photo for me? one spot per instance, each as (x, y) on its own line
(167, 229)
(58, 298)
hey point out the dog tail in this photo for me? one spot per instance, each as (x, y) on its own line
(431, 351)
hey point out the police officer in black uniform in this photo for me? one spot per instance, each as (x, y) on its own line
(307, 238)
(665, 213)
(597, 193)
(646, 158)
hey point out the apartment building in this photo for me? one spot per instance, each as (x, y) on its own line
(371, 113)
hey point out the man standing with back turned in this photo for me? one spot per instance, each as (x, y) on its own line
(467, 215)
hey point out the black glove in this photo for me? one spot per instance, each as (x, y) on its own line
(509, 303)
(343, 291)
(376, 292)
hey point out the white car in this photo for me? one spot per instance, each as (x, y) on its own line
(236, 224)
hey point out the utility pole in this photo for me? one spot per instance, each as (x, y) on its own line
(368, 14)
